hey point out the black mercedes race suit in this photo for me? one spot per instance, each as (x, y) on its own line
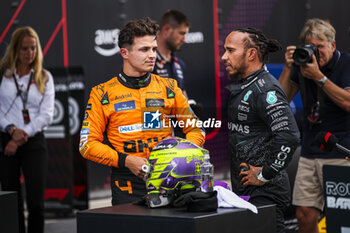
(262, 132)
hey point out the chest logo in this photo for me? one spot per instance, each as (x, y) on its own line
(271, 97)
(124, 106)
(155, 103)
(245, 98)
(130, 128)
(123, 96)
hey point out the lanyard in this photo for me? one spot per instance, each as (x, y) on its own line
(23, 94)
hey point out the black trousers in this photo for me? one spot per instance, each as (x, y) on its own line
(280, 210)
(126, 187)
(31, 161)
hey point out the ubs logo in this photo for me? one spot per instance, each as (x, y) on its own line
(107, 38)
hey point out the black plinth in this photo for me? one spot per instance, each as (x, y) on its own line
(8, 212)
(139, 219)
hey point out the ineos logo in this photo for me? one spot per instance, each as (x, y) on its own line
(106, 38)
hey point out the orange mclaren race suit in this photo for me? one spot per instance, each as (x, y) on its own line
(133, 113)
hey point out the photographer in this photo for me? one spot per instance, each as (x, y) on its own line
(322, 76)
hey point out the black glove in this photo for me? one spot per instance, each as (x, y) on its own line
(198, 201)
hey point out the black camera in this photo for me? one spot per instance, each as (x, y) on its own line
(303, 54)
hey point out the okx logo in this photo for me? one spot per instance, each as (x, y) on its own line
(151, 120)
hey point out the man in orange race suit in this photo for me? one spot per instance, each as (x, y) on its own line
(132, 110)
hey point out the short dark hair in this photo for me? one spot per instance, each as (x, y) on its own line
(137, 28)
(175, 18)
(256, 39)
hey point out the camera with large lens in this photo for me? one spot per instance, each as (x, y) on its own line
(303, 54)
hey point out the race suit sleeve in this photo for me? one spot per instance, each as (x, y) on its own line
(274, 110)
(185, 114)
(91, 135)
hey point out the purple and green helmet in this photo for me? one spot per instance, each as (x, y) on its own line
(174, 168)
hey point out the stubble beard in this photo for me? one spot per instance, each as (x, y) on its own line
(171, 46)
(239, 73)
(240, 70)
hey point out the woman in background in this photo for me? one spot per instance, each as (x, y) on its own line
(26, 108)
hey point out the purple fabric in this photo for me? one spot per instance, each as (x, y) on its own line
(222, 184)
(246, 198)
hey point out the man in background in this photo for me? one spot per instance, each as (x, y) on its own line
(324, 84)
(174, 26)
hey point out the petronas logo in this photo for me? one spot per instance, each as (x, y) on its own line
(271, 97)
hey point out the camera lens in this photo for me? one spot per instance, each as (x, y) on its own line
(303, 54)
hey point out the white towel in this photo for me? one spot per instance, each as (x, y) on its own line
(227, 199)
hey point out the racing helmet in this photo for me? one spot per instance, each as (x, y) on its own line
(174, 168)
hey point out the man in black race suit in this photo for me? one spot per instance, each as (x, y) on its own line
(263, 133)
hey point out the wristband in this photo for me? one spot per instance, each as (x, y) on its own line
(121, 159)
(261, 178)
